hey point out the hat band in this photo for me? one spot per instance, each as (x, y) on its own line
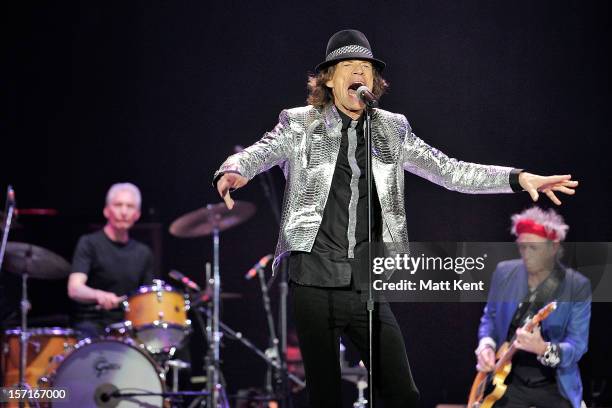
(349, 49)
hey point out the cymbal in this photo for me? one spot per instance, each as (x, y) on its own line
(37, 262)
(203, 221)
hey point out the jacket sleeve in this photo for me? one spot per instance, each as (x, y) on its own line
(575, 342)
(272, 149)
(486, 330)
(465, 177)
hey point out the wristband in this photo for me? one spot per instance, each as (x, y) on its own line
(551, 356)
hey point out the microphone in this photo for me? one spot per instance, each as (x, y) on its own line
(367, 97)
(176, 275)
(259, 265)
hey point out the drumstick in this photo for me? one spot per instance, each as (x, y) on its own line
(122, 299)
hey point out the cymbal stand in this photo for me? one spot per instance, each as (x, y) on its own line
(236, 335)
(217, 396)
(24, 335)
(175, 366)
(361, 402)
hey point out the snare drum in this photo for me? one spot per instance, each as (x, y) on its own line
(97, 369)
(158, 315)
(44, 345)
(120, 330)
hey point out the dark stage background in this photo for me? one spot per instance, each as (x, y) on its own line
(158, 93)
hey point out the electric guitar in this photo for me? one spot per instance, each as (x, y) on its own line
(487, 388)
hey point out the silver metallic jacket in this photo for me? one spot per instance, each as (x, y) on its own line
(305, 144)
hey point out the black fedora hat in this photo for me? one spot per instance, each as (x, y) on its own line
(349, 44)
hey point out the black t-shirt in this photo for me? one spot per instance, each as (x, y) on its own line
(525, 365)
(111, 266)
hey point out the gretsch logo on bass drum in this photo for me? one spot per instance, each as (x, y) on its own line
(102, 365)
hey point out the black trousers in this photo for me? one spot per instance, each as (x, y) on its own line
(521, 395)
(321, 316)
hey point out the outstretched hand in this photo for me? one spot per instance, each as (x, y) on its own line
(230, 181)
(532, 183)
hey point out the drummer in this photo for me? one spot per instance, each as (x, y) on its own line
(108, 264)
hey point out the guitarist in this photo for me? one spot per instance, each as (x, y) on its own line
(545, 368)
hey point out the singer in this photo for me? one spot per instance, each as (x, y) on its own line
(108, 264)
(324, 227)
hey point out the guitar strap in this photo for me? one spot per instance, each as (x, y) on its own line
(536, 299)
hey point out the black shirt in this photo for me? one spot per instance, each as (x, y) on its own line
(329, 264)
(529, 370)
(111, 266)
(525, 365)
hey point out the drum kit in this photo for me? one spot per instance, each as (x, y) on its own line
(134, 354)
(128, 366)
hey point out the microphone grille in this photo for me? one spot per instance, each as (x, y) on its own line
(362, 89)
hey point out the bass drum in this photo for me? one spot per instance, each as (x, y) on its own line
(97, 369)
(45, 345)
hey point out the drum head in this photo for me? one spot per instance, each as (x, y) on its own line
(158, 286)
(160, 339)
(97, 369)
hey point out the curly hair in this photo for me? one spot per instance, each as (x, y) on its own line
(319, 95)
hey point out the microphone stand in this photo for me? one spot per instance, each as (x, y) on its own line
(274, 349)
(25, 303)
(267, 184)
(10, 209)
(370, 300)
